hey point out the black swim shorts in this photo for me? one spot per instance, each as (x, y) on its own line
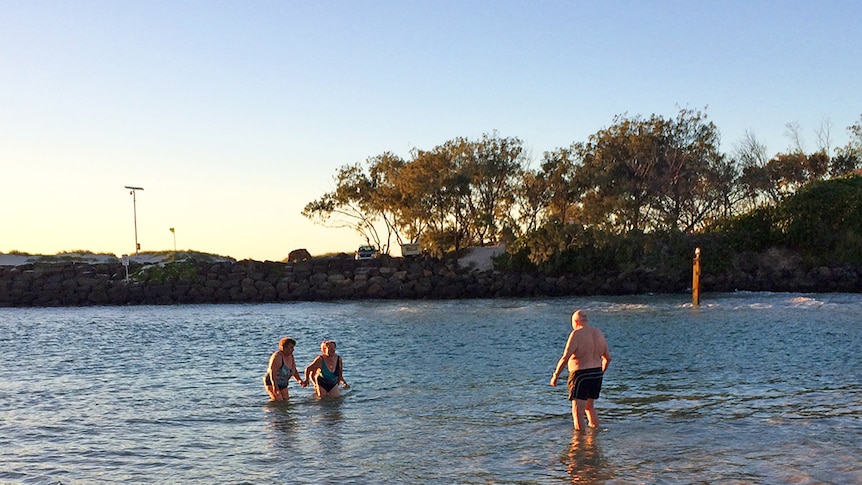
(585, 384)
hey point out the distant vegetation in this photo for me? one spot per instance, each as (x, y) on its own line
(329, 255)
(84, 255)
(171, 256)
(15, 252)
(641, 192)
(819, 225)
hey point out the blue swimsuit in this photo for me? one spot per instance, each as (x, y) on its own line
(328, 379)
(283, 375)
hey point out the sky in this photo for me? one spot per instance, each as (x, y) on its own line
(233, 115)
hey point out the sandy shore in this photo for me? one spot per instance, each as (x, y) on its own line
(480, 257)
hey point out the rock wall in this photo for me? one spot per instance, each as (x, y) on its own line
(77, 284)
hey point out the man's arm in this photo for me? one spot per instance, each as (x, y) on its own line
(606, 354)
(567, 352)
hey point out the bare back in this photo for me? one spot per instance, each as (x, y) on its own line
(587, 349)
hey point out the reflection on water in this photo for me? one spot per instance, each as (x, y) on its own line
(749, 388)
(283, 421)
(305, 434)
(325, 420)
(584, 460)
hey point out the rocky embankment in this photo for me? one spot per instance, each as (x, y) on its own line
(190, 281)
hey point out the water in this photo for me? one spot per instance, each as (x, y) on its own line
(747, 388)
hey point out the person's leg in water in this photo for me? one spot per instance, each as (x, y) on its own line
(270, 388)
(578, 411)
(592, 415)
(275, 393)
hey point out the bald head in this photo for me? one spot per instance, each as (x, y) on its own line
(579, 319)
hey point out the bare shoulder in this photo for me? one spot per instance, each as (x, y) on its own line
(600, 336)
(588, 335)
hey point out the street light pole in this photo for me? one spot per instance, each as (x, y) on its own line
(175, 238)
(132, 191)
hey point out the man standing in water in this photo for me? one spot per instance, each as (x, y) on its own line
(588, 356)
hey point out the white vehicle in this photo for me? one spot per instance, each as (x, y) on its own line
(366, 252)
(410, 249)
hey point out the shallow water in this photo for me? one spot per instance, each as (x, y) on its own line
(747, 388)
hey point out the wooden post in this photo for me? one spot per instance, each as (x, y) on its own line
(695, 279)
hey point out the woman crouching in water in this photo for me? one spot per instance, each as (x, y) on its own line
(282, 366)
(325, 371)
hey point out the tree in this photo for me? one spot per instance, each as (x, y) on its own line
(349, 205)
(547, 194)
(559, 176)
(388, 202)
(492, 167)
(612, 175)
(824, 219)
(639, 175)
(693, 182)
(654, 174)
(426, 182)
(440, 185)
(848, 159)
(757, 187)
(784, 174)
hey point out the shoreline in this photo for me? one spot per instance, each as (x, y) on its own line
(200, 281)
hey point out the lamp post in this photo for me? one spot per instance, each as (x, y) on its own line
(175, 238)
(132, 191)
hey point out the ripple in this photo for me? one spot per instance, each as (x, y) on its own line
(443, 392)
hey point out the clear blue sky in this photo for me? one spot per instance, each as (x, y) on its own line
(234, 115)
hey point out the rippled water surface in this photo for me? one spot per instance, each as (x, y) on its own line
(747, 388)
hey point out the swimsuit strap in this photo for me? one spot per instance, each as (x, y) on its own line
(284, 363)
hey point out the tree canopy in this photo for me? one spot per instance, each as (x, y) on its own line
(639, 175)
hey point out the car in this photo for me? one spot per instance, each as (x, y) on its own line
(366, 252)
